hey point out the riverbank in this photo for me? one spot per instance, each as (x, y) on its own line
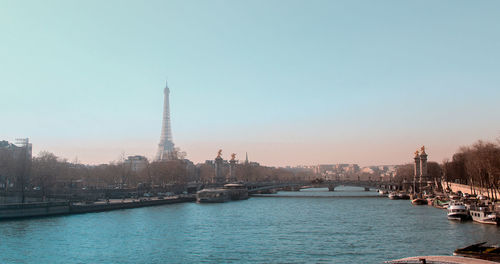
(42, 209)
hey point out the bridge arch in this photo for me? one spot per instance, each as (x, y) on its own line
(331, 185)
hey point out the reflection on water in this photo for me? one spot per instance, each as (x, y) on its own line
(259, 230)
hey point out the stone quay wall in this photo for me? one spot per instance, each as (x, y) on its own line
(33, 209)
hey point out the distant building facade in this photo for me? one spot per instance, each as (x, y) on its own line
(136, 163)
(335, 171)
(19, 149)
(15, 160)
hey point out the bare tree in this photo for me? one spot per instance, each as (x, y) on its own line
(478, 166)
(44, 172)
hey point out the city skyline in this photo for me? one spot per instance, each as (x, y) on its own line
(307, 83)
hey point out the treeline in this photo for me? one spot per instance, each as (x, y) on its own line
(50, 174)
(477, 165)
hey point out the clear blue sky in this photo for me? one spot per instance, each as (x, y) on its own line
(291, 82)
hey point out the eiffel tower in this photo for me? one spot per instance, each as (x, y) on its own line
(166, 145)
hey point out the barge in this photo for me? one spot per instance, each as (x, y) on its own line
(230, 192)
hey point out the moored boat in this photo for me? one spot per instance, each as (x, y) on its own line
(394, 196)
(216, 195)
(419, 201)
(383, 192)
(404, 196)
(441, 204)
(439, 260)
(473, 254)
(230, 191)
(480, 251)
(457, 211)
(484, 215)
(237, 191)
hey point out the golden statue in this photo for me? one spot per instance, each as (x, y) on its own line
(233, 156)
(422, 150)
(219, 154)
(416, 153)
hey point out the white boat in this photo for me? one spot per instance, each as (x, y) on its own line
(457, 211)
(394, 196)
(383, 192)
(483, 215)
(403, 196)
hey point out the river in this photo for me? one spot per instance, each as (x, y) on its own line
(312, 226)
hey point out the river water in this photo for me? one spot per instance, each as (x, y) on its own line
(313, 226)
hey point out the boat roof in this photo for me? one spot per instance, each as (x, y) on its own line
(234, 185)
(440, 260)
(212, 190)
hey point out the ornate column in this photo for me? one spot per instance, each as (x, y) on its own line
(218, 168)
(416, 170)
(423, 165)
(232, 169)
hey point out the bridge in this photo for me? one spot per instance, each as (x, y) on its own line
(260, 187)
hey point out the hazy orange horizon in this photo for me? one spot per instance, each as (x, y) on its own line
(278, 154)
